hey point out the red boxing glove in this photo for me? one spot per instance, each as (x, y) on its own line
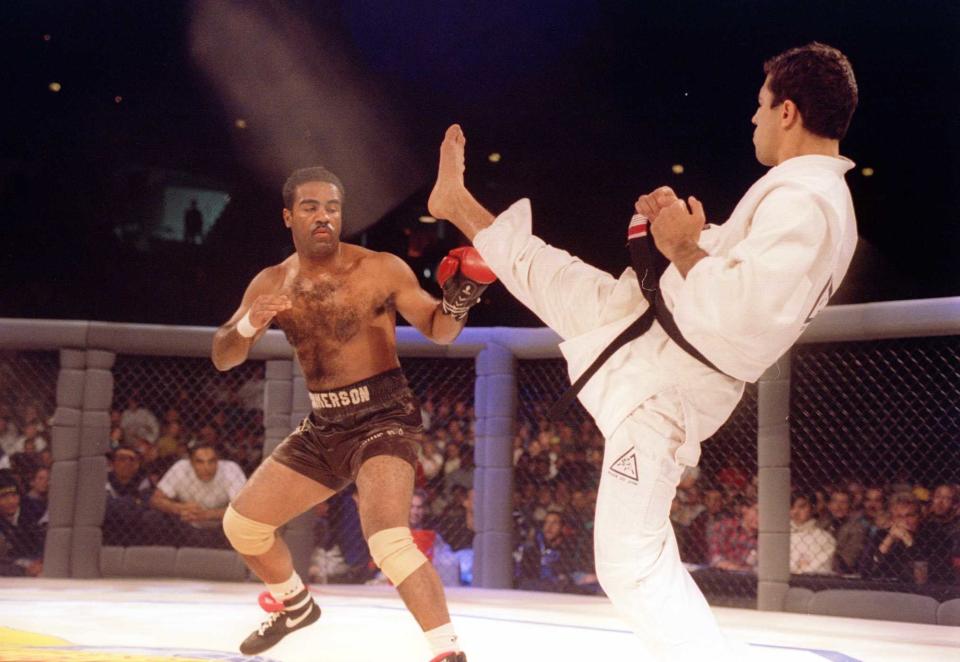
(464, 276)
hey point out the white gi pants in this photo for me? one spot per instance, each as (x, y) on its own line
(637, 559)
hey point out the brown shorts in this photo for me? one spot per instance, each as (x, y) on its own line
(349, 425)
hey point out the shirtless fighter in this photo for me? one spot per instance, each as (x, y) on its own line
(337, 304)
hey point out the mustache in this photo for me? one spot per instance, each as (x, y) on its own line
(322, 224)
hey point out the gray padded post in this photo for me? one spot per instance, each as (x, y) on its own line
(56, 552)
(63, 489)
(91, 495)
(65, 447)
(85, 552)
(496, 406)
(773, 464)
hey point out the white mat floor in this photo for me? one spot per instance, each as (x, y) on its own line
(172, 620)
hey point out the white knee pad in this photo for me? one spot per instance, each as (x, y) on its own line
(394, 551)
(247, 536)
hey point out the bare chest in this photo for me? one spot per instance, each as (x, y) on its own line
(332, 311)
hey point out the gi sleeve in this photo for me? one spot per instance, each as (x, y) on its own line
(569, 295)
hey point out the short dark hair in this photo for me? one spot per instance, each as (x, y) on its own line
(819, 80)
(304, 175)
(203, 444)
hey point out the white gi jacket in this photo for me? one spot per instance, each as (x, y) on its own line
(771, 268)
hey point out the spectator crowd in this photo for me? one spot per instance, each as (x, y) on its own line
(174, 463)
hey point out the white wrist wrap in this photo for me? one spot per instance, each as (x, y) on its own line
(245, 328)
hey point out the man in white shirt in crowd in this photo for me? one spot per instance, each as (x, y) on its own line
(731, 301)
(811, 548)
(197, 491)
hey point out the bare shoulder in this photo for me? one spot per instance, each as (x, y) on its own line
(389, 263)
(272, 278)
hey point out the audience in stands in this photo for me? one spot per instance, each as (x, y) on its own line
(170, 477)
(910, 550)
(21, 536)
(197, 491)
(849, 531)
(811, 548)
(732, 542)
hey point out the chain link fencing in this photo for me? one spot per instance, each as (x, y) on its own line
(875, 430)
(27, 402)
(557, 470)
(163, 408)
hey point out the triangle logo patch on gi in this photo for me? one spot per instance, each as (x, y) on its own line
(626, 465)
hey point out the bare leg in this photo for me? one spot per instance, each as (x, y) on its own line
(450, 198)
(385, 488)
(274, 495)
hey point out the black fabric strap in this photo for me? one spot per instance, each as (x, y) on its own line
(636, 329)
(649, 264)
(665, 317)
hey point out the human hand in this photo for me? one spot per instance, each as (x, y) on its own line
(676, 229)
(191, 512)
(266, 307)
(900, 532)
(652, 203)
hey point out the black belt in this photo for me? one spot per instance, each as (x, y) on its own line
(647, 260)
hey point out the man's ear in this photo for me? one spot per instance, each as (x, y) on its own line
(287, 217)
(790, 115)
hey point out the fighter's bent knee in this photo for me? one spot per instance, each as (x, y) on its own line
(247, 536)
(394, 551)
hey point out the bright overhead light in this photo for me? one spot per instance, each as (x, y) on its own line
(54, 86)
(494, 157)
(240, 123)
(427, 219)
(677, 168)
(867, 172)
(117, 99)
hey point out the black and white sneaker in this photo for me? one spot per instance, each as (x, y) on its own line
(298, 612)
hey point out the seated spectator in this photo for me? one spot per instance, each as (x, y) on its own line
(857, 495)
(849, 532)
(21, 541)
(198, 491)
(732, 541)
(811, 548)
(8, 436)
(692, 541)
(138, 422)
(549, 561)
(431, 460)
(463, 474)
(31, 441)
(732, 477)
(907, 551)
(456, 520)
(126, 520)
(33, 504)
(874, 508)
(168, 443)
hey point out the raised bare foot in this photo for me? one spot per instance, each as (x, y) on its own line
(449, 189)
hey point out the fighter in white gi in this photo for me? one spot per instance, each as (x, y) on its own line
(740, 293)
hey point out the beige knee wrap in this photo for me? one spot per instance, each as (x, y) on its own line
(247, 536)
(394, 551)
